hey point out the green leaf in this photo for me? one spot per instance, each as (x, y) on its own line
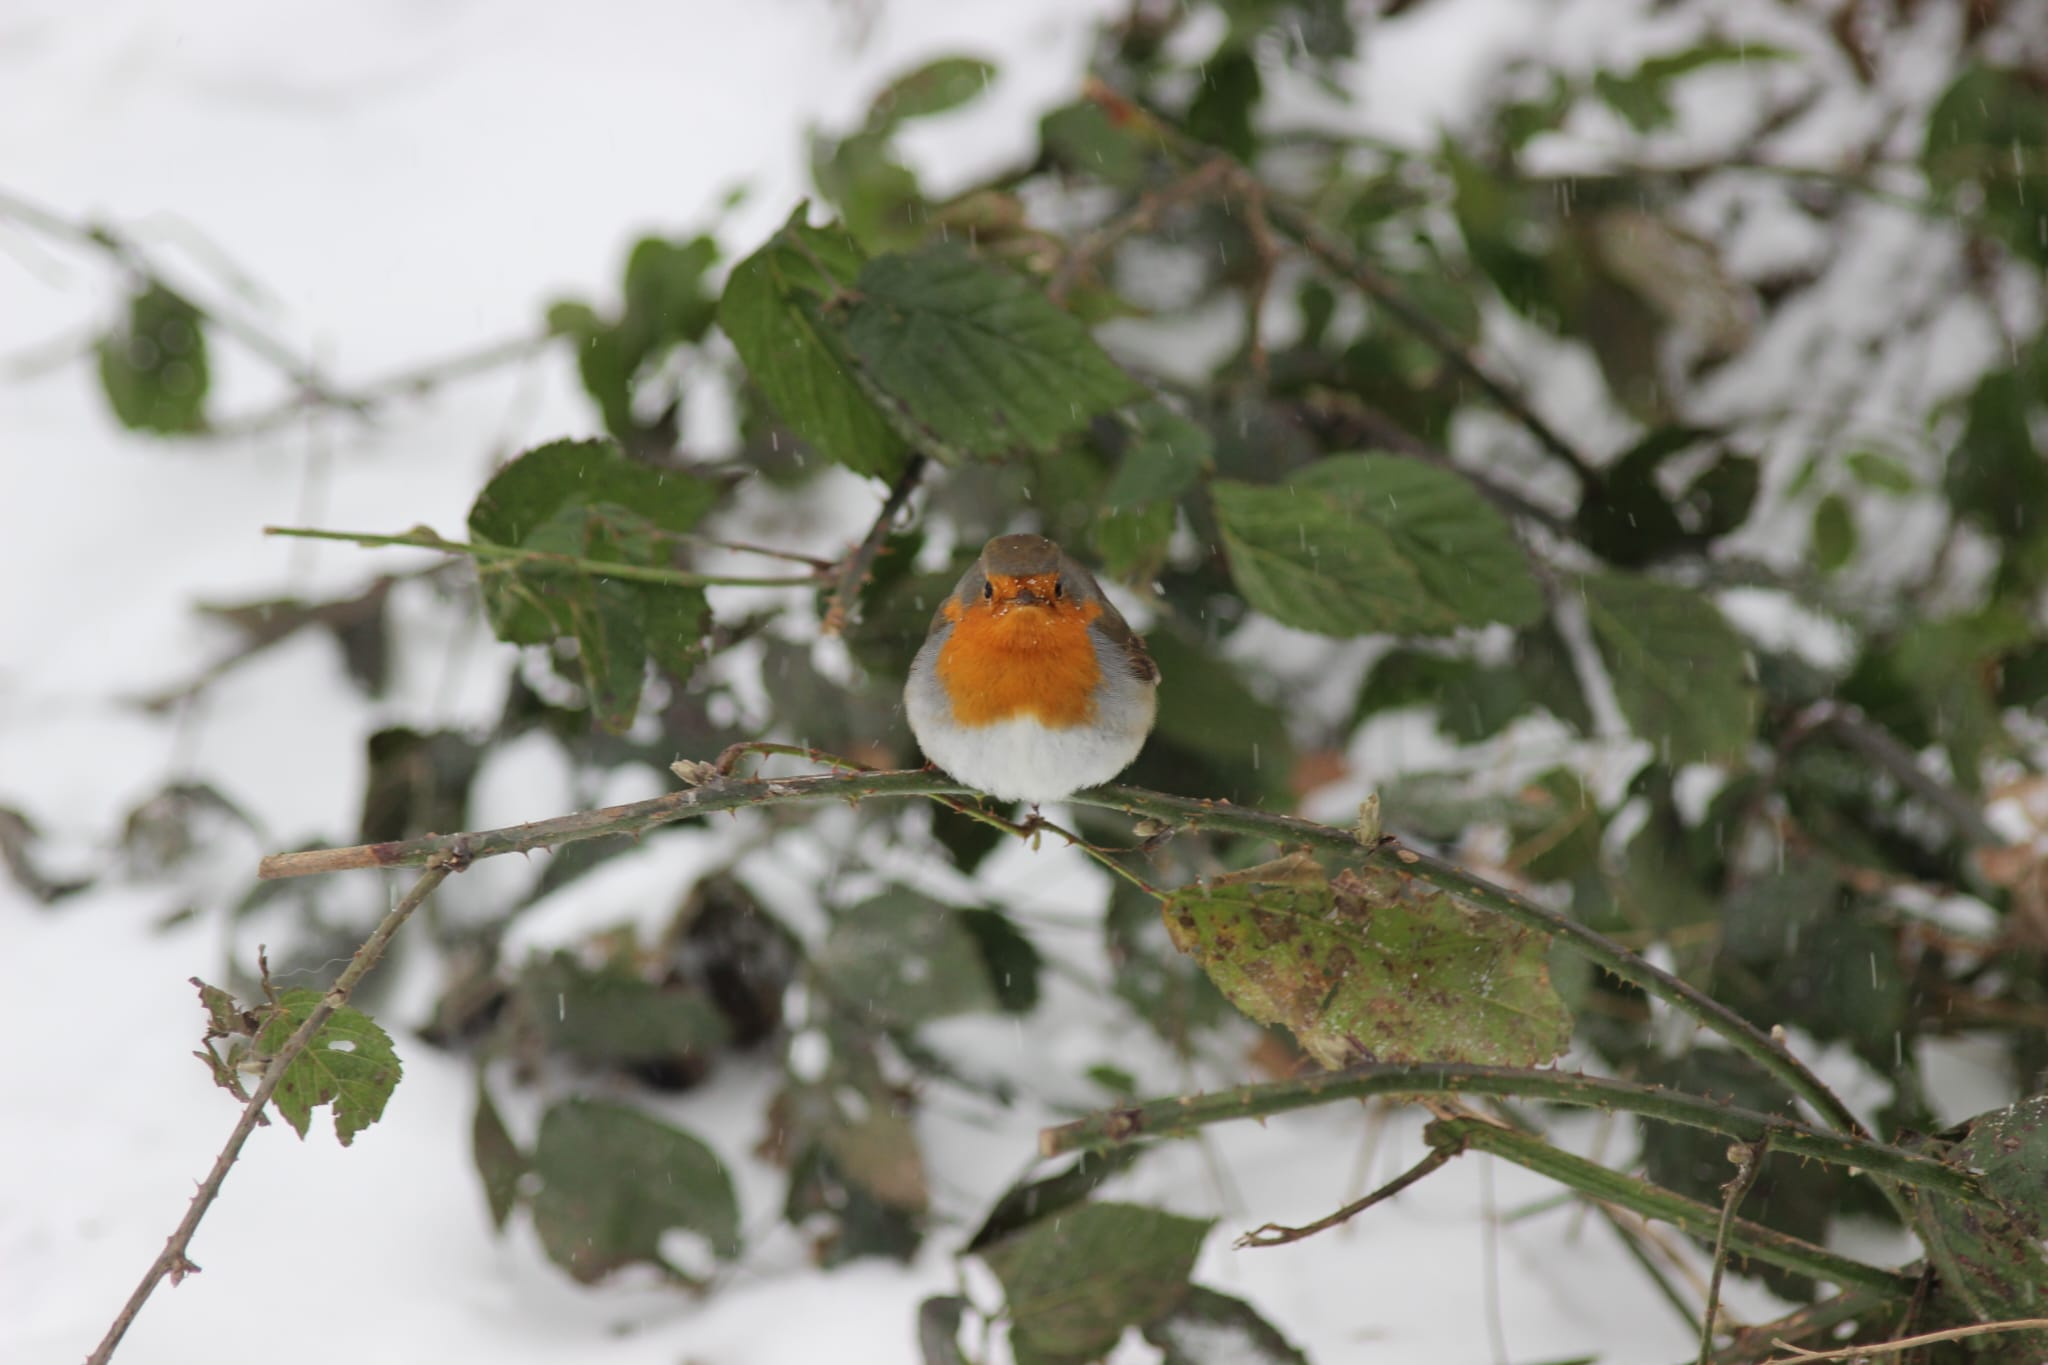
(539, 485)
(498, 1157)
(1985, 140)
(1677, 666)
(349, 1066)
(1991, 1262)
(1239, 738)
(1221, 112)
(1084, 139)
(1471, 701)
(584, 499)
(1373, 967)
(1076, 1280)
(667, 302)
(1996, 476)
(1631, 522)
(1882, 472)
(934, 88)
(1834, 533)
(974, 358)
(1643, 96)
(153, 369)
(1008, 956)
(905, 959)
(613, 1181)
(1367, 544)
(1208, 1328)
(1165, 458)
(1723, 495)
(800, 364)
(611, 1016)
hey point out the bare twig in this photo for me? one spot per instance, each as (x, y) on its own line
(1277, 1235)
(424, 538)
(1340, 260)
(1872, 1350)
(1142, 216)
(1866, 737)
(412, 382)
(1749, 1159)
(854, 572)
(173, 1261)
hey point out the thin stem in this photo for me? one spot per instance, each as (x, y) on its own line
(1982, 1329)
(1277, 1235)
(414, 381)
(1179, 1115)
(422, 538)
(854, 572)
(1613, 1189)
(172, 1261)
(1749, 1159)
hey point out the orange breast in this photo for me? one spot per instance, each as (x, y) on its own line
(1027, 661)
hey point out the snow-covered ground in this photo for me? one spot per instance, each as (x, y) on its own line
(401, 181)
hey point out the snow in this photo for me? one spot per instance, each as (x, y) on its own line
(399, 182)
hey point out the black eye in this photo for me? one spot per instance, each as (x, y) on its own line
(1059, 589)
(988, 591)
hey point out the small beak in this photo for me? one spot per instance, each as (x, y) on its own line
(1024, 597)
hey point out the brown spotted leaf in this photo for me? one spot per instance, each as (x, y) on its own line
(1374, 966)
(1990, 1260)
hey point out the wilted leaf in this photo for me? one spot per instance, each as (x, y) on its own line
(499, 1161)
(153, 369)
(976, 358)
(613, 1017)
(1208, 1328)
(614, 1180)
(850, 1141)
(1373, 967)
(938, 1329)
(1372, 544)
(348, 1065)
(1029, 1201)
(1678, 667)
(1076, 1280)
(903, 959)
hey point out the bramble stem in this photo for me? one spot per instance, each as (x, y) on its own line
(172, 1260)
(1179, 1115)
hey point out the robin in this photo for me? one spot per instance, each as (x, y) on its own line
(1030, 685)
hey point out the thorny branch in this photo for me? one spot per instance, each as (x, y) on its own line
(173, 1260)
(722, 793)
